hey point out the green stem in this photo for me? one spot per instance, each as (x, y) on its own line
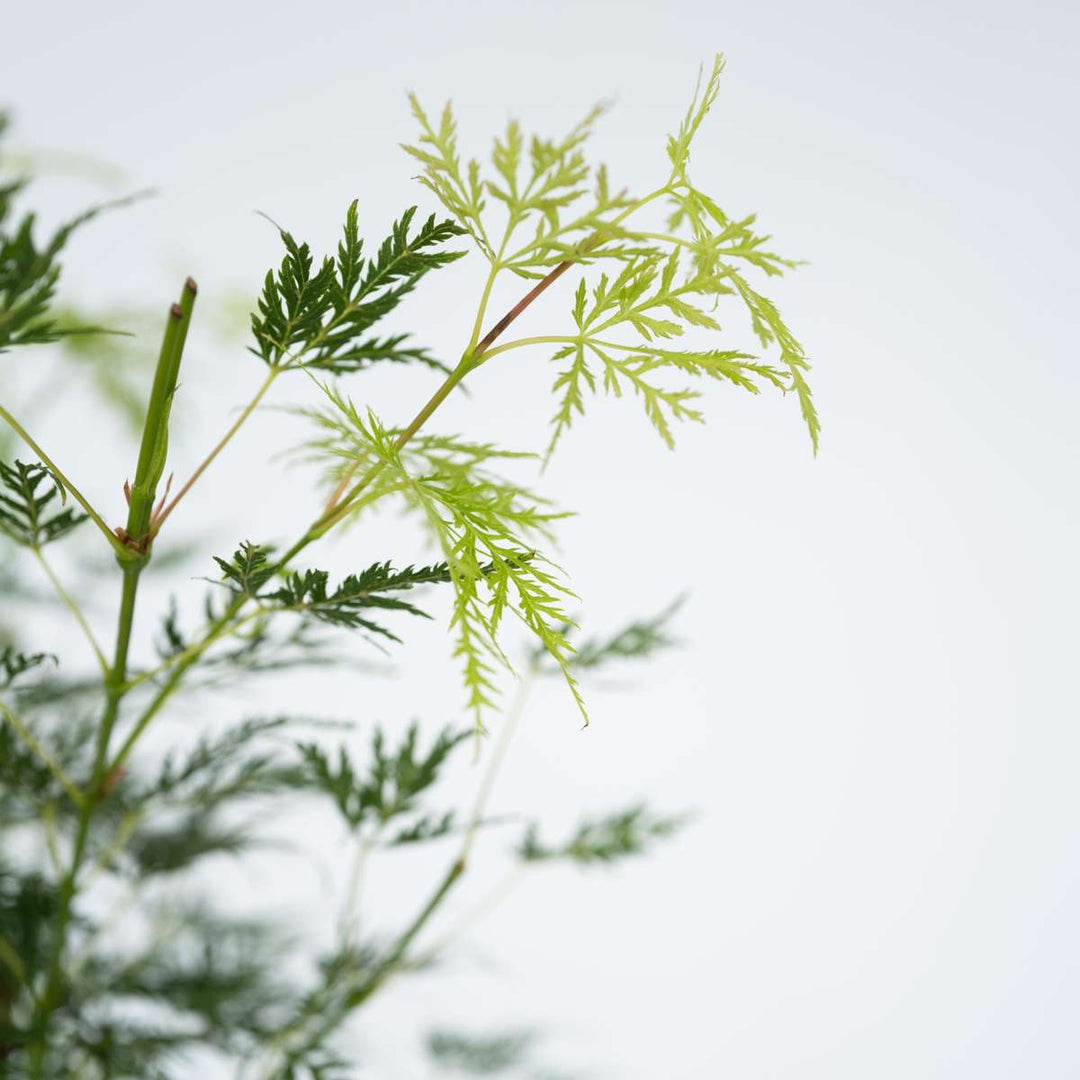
(155, 440)
(150, 466)
(666, 238)
(401, 946)
(113, 695)
(485, 296)
(563, 339)
(74, 608)
(64, 482)
(497, 264)
(330, 1018)
(633, 208)
(469, 918)
(498, 756)
(546, 339)
(350, 915)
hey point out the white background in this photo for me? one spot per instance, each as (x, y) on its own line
(874, 715)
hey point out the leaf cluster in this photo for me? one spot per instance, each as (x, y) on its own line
(547, 188)
(669, 282)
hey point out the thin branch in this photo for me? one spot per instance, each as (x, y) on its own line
(498, 756)
(469, 918)
(224, 441)
(350, 916)
(73, 607)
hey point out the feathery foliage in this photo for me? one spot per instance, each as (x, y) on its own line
(116, 960)
(486, 532)
(342, 606)
(653, 296)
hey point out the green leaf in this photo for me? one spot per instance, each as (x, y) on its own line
(542, 191)
(678, 145)
(462, 193)
(176, 846)
(27, 493)
(233, 765)
(392, 783)
(637, 640)
(29, 273)
(485, 530)
(769, 327)
(308, 593)
(604, 840)
(649, 298)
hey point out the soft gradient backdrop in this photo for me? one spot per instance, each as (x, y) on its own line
(874, 715)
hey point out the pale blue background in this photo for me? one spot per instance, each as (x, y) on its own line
(876, 712)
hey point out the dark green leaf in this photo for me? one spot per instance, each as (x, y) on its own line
(316, 318)
(308, 592)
